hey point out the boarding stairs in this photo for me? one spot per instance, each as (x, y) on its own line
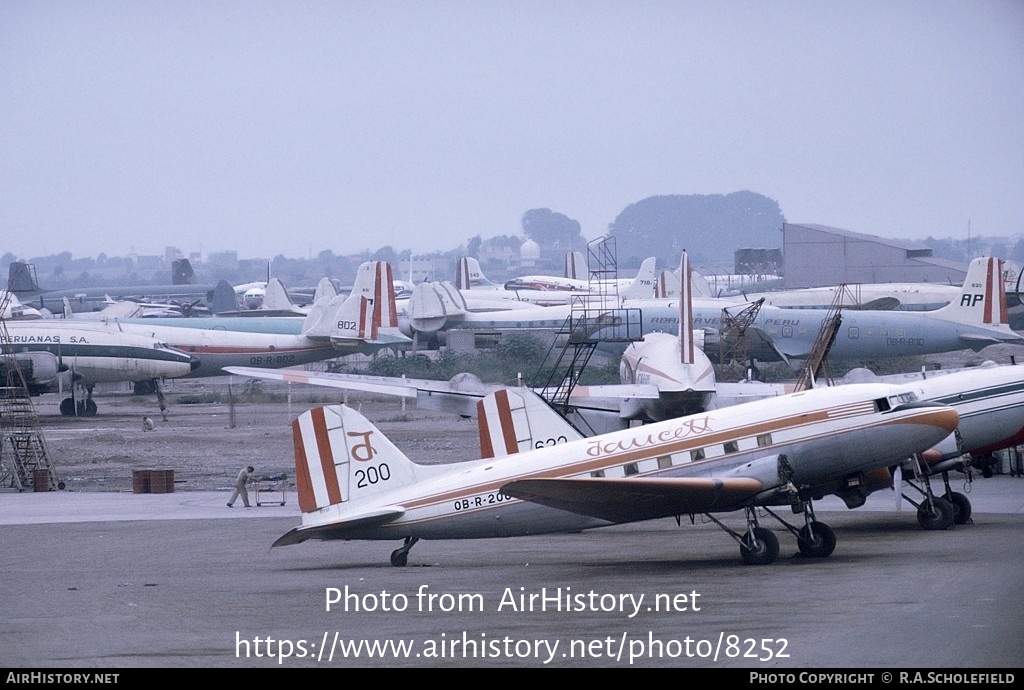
(816, 370)
(25, 463)
(594, 319)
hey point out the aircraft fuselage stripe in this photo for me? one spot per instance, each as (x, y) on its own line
(303, 483)
(326, 456)
(612, 459)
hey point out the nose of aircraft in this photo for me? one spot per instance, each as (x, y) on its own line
(940, 416)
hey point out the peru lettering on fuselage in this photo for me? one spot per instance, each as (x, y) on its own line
(56, 339)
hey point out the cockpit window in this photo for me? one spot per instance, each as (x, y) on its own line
(886, 404)
(902, 398)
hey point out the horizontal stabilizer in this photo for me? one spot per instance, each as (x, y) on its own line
(432, 304)
(636, 498)
(339, 530)
(615, 391)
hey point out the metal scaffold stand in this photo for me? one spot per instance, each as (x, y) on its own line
(25, 463)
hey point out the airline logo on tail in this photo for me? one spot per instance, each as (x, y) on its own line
(983, 296)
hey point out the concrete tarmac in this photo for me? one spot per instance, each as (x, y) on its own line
(121, 580)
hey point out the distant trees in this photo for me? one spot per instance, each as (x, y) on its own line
(552, 230)
(710, 227)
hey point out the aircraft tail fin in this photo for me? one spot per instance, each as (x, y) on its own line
(21, 277)
(982, 300)
(667, 286)
(182, 273)
(325, 289)
(276, 296)
(642, 286)
(687, 346)
(468, 275)
(362, 314)
(341, 457)
(375, 282)
(576, 266)
(518, 420)
(224, 298)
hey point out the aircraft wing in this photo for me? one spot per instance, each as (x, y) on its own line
(635, 498)
(340, 529)
(458, 395)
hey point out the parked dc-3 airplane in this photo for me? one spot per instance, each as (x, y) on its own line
(675, 378)
(353, 483)
(58, 355)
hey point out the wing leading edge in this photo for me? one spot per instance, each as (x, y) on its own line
(636, 498)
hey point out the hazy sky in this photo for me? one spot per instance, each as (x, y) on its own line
(290, 127)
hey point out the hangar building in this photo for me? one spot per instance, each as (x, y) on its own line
(818, 256)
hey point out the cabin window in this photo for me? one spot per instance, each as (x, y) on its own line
(696, 454)
(597, 473)
(854, 332)
(731, 447)
(664, 462)
(764, 440)
(630, 468)
(882, 405)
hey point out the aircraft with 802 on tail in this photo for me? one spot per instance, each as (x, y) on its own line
(538, 475)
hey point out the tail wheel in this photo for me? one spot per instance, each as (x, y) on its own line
(760, 547)
(821, 544)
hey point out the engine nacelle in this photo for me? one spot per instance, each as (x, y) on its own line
(854, 488)
(43, 371)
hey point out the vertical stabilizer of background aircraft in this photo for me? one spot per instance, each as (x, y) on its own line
(982, 299)
(469, 276)
(576, 266)
(21, 277)
(518, 420)
(182, 273)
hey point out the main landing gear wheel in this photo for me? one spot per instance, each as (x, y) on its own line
(961, 508)
(69, 407)
(759, 547)
(821, 544)
(400, 556)
(939, 517)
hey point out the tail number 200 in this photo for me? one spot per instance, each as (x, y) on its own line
(374, 474)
